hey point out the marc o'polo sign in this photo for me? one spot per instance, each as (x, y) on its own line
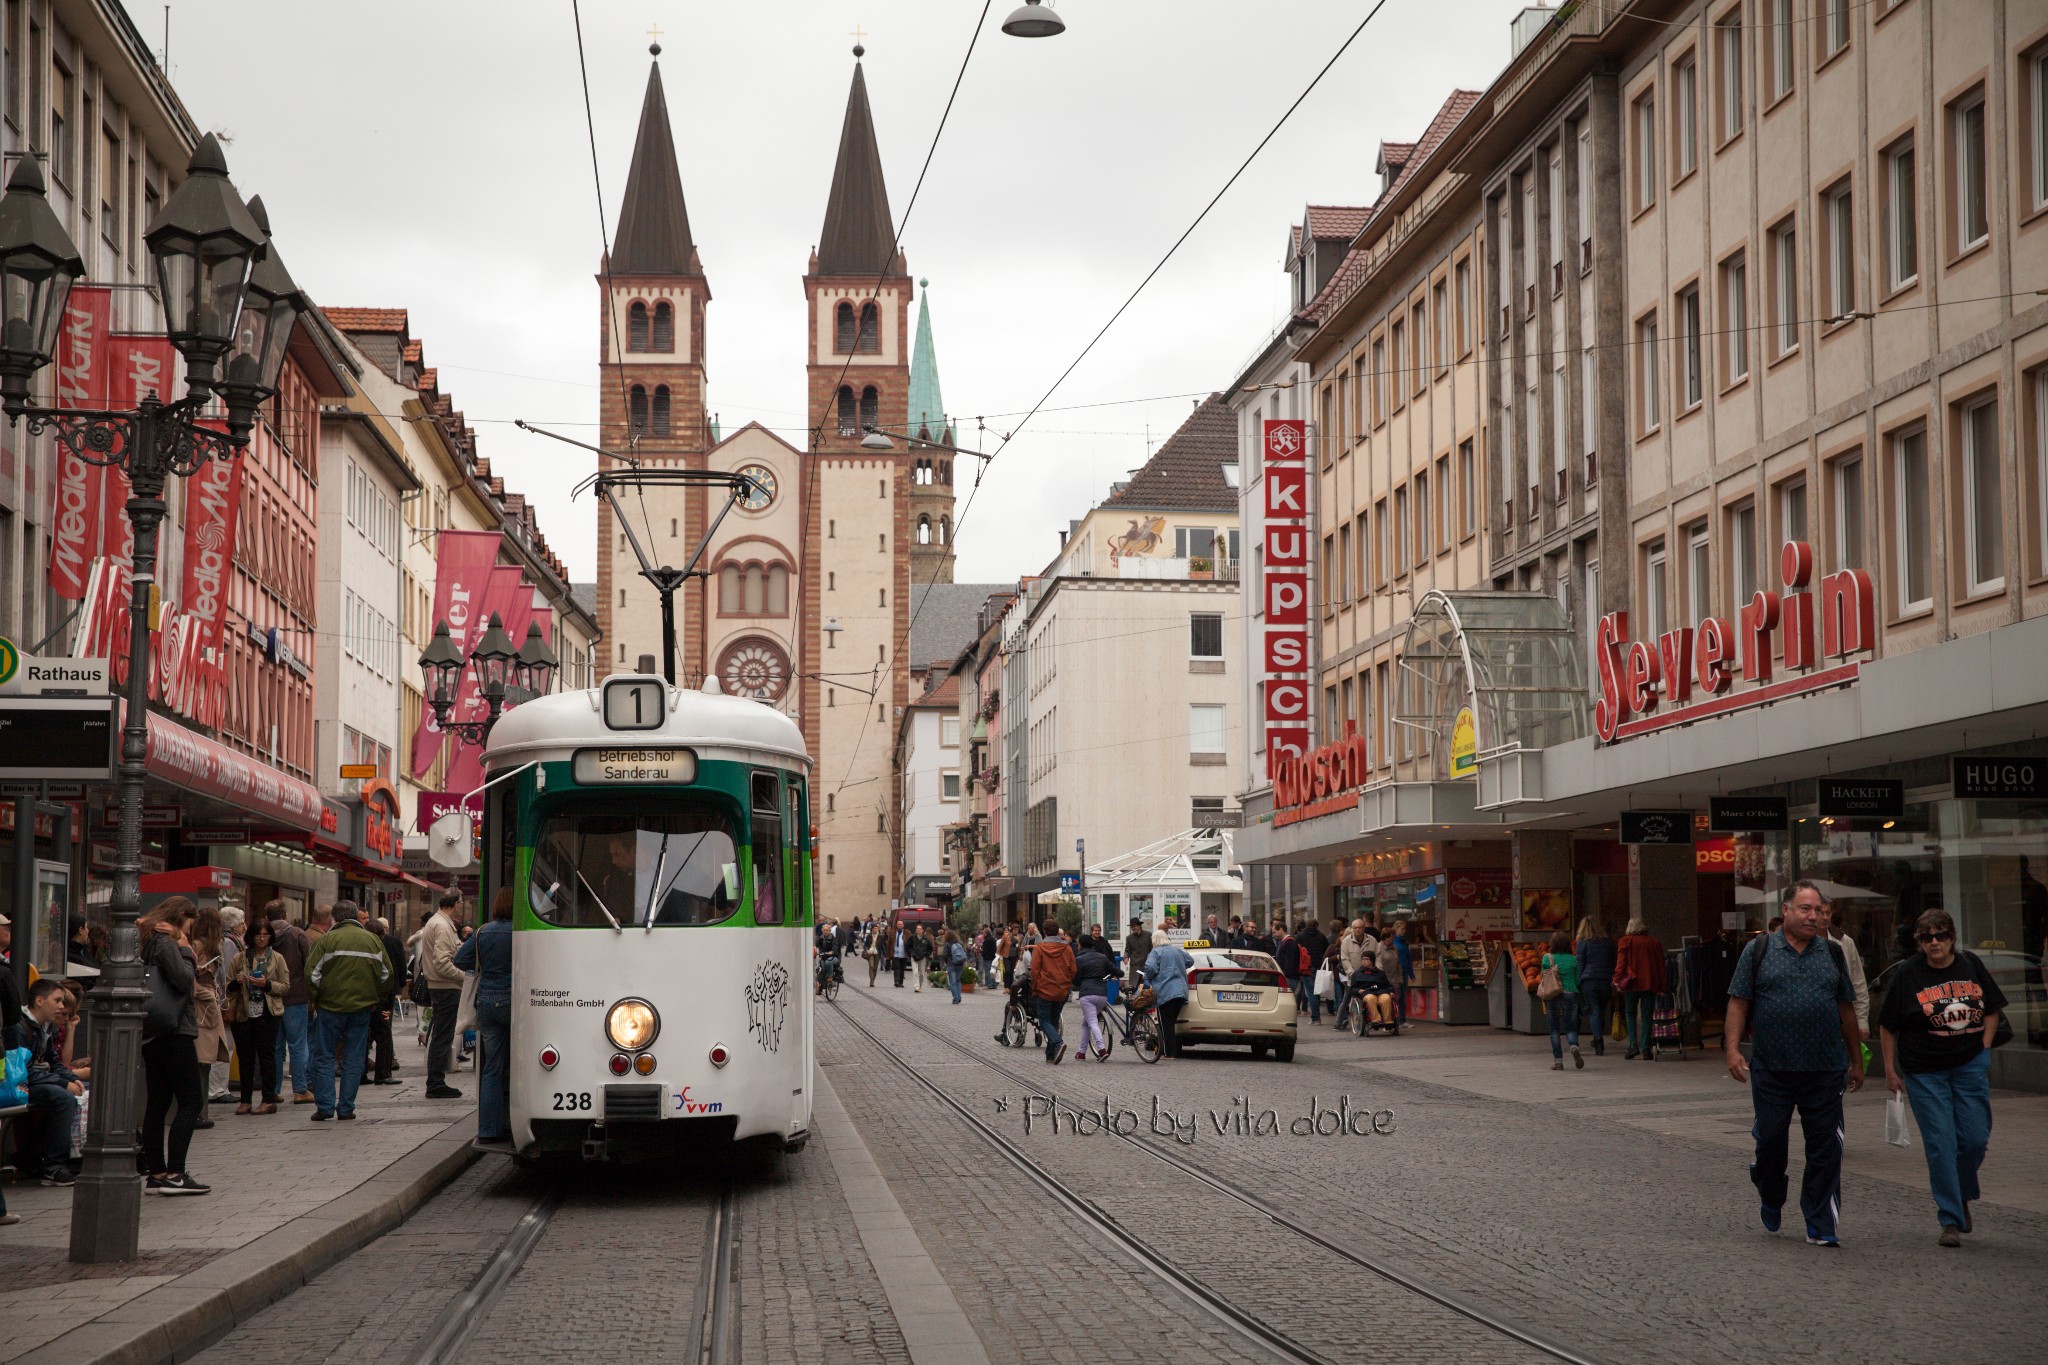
(1847, 798)
(1747, 814)
(2013, 778)
(1656, 827)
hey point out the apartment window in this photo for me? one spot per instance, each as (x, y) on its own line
(1912, 524)
(1382, 565)
(1655, 585)
(1444, 498)
(12, 66)
(1360, 571)
(1439, 307)
(1468, 500)
(1735, 317)
(1205, 635)
(1422, 522)
(1780, 32)
(1420, 319)
(1685, 147)
(1585, 197)
(1559, 433)
(1399, 347)
(1785, 287)
(949, 732)
(1689, 346)
(63, 133)
(1555, 208)
(1461, 275)
(1205, 729)
(1647, 415)
(1972, 222)
(1529, 242)
(1643, 120)
(2040, 380)
(1791, 510)
(2036, 115)
(1728, 58)
(1699, 574)
(1983, 539)
(1589, 426)
(1847, 493)
(1342, 593)
(1401, 524)
(1379, 380)
(1901, 216)
(1742, 548)
(1834, 27)
(949, 786)
(1838, 246)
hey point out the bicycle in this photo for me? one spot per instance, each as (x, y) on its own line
(829, 977)
(1138, 1021)
(1015, 1016)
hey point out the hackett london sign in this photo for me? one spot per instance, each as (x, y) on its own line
(1691, 673)
(1284, 583)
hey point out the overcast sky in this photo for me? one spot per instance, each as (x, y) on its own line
(433, 155)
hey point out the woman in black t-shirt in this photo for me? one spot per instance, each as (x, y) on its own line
(1940, 1015)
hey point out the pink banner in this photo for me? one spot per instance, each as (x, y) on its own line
(511, 598)
(81, 383)
(462, 571)
(137, 366)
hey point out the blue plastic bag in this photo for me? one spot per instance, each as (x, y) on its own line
(1114, 985)
(14, 1078)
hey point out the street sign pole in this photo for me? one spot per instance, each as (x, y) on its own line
(24, 947)
(1081, 854)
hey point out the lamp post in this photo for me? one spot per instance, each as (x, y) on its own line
(229, 308)
(503, 677)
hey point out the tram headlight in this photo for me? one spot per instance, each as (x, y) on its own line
(632, 1025)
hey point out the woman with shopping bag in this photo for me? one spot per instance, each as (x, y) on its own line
(1942, 1016)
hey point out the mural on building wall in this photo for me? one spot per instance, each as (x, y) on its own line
(1142, 539)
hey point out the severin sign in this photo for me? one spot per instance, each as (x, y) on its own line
(1285, 585)
(1690, 673)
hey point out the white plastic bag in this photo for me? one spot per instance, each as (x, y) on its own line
(1326, 983)
(1895, 1130)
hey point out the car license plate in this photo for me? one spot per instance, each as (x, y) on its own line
(1237, 997)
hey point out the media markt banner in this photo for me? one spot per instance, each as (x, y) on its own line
(462, 571)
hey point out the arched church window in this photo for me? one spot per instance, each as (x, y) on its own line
(754, 590)
(636, 326)
(870, 330)
(638, 410)
(924, 530)
(729, 589)
(778, 590)
(842, 334)
(664, 327)
(661, 410)
(849, 425)
(945, 530)
(946, 472)
(870, 407)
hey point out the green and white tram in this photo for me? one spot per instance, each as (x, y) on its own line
(657, 844)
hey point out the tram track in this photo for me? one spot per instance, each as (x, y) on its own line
(1463, 1305)
(715, 1308)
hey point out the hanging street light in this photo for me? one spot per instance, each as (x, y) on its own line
(1034, 20)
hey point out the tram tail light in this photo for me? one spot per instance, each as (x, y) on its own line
(549, 1058)
(621, 1064)
(644, 1064)
(719, 1056)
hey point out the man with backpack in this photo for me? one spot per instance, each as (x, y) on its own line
(1792, 987)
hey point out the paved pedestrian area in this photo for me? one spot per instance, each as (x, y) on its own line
(287, 1192)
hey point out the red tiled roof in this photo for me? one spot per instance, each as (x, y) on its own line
(1336, 220)
(945, 696)
(1186, 474)
(429, 379)
(1352, 271)
(367, 319)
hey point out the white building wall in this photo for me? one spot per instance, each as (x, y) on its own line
(360, 652)
(927, 762)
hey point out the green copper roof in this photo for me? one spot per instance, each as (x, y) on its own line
(927, 407)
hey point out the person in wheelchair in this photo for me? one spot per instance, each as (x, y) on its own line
(1372, 995)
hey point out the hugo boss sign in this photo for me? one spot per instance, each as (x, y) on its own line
(2018, 778)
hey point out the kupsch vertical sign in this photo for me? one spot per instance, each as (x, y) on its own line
(1284, 582)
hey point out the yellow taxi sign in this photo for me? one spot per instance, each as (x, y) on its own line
(1198, 943)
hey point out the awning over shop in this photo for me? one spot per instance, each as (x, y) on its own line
(1506, 662)
(206, 768)
(1196, 860)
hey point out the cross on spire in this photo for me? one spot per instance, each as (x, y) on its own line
(654, 39)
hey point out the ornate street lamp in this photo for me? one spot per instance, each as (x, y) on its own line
(1034, 20)
(503, 676)
(204, 242)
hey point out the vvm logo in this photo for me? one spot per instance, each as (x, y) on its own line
(686, 1105)
(10, 659)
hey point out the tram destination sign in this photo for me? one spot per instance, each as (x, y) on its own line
(1656, 827)
(1748, 814)
(2013, 778)
(634, 763)
(1847, 798)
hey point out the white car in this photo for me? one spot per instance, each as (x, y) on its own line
(1238, 998)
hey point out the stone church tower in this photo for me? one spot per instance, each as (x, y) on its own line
(808, 588)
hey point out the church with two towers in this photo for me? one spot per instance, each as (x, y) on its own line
(804, 601)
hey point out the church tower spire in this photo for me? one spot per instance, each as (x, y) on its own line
(859, 236)
(652, 298)
(931, 475)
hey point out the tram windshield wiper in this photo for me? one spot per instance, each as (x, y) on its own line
(654, 887)
(600, 901)
(660, 892)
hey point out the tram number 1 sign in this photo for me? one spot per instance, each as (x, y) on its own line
(635, 703)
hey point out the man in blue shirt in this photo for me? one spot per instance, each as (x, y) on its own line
(1792, 988)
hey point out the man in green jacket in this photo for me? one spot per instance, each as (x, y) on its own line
(348, 975)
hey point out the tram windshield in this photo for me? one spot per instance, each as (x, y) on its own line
(669, 863)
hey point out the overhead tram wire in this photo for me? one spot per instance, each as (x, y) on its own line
(817, 432)
(960, 521)
(604, 242)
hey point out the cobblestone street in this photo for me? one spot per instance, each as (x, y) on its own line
(1605, 1212)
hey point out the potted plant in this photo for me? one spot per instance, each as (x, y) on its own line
(1201, 566)
(969, 978)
